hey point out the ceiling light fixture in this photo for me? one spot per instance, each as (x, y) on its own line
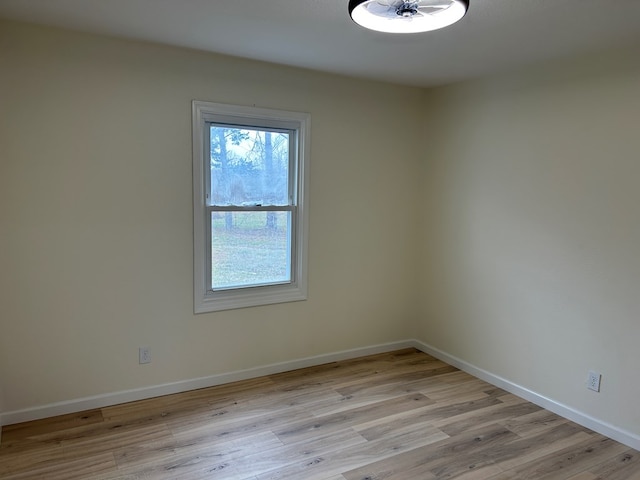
(407, 16)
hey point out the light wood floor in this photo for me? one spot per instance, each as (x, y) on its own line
(396, 416)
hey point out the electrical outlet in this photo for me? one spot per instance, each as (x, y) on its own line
(144, 355)
(593, 381)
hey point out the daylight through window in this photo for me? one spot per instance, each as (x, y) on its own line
(249, 206)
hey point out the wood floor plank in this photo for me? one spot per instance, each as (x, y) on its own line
(389, 379)
(625, 466)
(570, 461)
(262, 461)
(235, 427)
(532, 448)
(422, 461)
(391, 426)
(319, 425)
(146, 451)
(21, 431)
(77, 469)
(583, 476)
(446, 412)
(484, 416)
(533, 423)
(481, 473)
(395, 416)
(345, 459)
(430, 413)
(438, 390)
(190, 406)
(217, 460)
(13, 461)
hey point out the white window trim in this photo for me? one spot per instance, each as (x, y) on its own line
(208, 301)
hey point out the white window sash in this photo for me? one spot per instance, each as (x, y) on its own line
(298, 124)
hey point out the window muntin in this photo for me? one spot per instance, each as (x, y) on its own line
(250, 210)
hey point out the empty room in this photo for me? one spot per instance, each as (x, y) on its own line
(330, 240)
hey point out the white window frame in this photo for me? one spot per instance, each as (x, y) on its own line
(203, 115)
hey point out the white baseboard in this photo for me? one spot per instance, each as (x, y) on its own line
(616, 433)
(99, 401)
(108, 399)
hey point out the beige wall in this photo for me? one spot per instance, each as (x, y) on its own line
(531, 244)
(96, 216)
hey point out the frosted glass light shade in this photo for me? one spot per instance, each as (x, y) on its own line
(407, 16)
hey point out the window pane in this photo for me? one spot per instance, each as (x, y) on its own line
(248, 167)
(250, 248)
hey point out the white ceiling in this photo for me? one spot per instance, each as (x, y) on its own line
(495, 35)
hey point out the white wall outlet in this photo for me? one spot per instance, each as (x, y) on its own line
(593, 381)
(144, 355)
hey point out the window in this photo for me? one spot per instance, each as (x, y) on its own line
(250, 209)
